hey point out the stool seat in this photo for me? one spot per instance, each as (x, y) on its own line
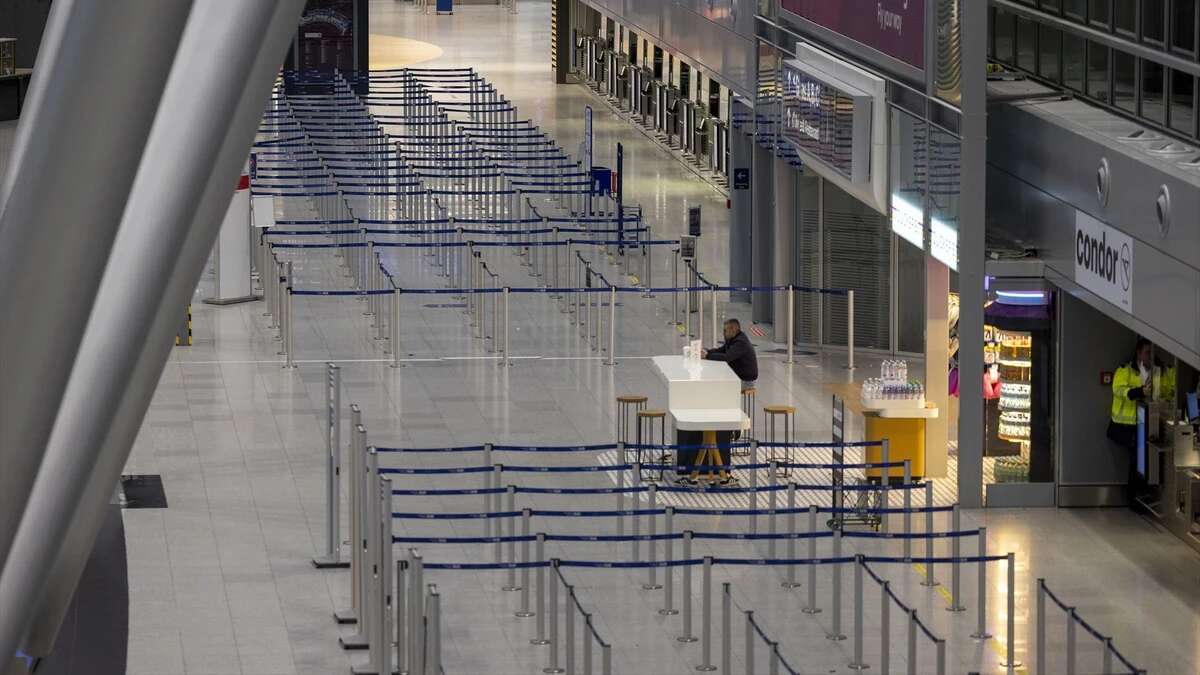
(779, 409)
(652, 413)
(632, 398)
(750, 391)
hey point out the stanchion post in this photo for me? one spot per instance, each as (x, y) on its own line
(416, 612)
(333, 470)
(929, 580)
(634, 544)
(621, 490)
(791, 582)
(912, 642)
(400, 615)
(981, 589)
(487, 486)
(1040, 644)
(885, 477)
(753, 487)
(706, 620)
(506, 360)
(716, 329)
(587, 644)
(726, 630)
(612, 326)
(686, 591)
(553, 668)
(394, 327)
(497, 527)
(652, 546)
(606, 659)
(941, 656)
(433, 632)
(540, 581)
(885, 625)
(772, 473)
(669, 571)
(955, 566)
(811, 607)
(510, 507)
(907, 509)
(1010, 660)
(749, 656)
(569, 637)
(835, 632)
(525, 612)
(857, 663)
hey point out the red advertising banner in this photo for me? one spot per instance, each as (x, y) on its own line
(892, 27)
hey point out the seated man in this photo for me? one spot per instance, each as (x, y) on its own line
(737, 352)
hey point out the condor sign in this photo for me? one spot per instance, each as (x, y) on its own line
(1104, 261)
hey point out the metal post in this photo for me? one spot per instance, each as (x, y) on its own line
(791, 324)
(858, 663)
(686, 591)
(850, 329)
(433, 659)
(675, 286)
(811, 607)
(726, 629)
(621, 490)
(772, 472)
(634, 544)
(399, 614)
(1011, 653)
(511, 506)
(1040, 644)
(836, 631)
(524, 612)
(749, 656)
(587, 644)
(907, 508)
(912, 642)
(773, 658)
(885, 477)
(706, 620)
(487, 486)
(612, 327)
(569, 618)
(713, 314)
(497, 527)
(416, 613)
(505, 360)
(669, 557)
(606, 659)
(540, 580)
(941, 656)
(553, 668)
(333, 470)
(1107, 667)
(955, 567)
(929, 580)
(981, 590)
(885, 625)
(288, 340)
(652, 571)
(791, 582)
(753, 487)
(351, 615)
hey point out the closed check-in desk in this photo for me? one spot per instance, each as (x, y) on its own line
(704, 399)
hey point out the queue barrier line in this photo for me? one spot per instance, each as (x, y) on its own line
(609, 468)
(678, 510)
(672, 536)
(678, 489)
(735, 562)
(1072, 614)
(271, 232)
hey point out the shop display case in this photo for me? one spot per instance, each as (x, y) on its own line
(8, 56)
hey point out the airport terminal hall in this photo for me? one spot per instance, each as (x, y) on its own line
(599, 337)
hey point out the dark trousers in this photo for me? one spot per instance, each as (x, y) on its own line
(686, 459)
(1125, 435)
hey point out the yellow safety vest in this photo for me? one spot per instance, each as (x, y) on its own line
(1127, 377)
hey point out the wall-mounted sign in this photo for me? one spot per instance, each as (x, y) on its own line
(694, 221)
(895, 28)
(828, 120)
(1104, 261)
(741, 179)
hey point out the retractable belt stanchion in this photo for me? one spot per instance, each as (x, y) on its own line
(850, 329)
(416, 613)
(569, 625)
(510, 506)
(981, 589)
(929, 580)
(553, 668)
(908, 509)
(525, 612)
(352, 615)
(955, 567)
(836, 610)
(333, 471)
(858, 663)
(791, 582)
(811, 607)
(754, 487)
(885, 627)
(394, 298)
(686, 591)
(706, 618)
(749, 642)
(669, 571)
(400, 616)
(651, 545)
(726, 630)
(540, 581)
(1010, 659)
(367, 507)
(433, 632)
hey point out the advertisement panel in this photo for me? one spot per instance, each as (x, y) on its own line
(1104, 261)
(895, 28)
(830, 123)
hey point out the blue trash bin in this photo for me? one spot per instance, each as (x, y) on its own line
(445, 6)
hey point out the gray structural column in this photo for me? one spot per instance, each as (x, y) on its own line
(783, 245)
(741, 228)
(176, 208)
(762, 187)
(75, 157)
(973, 187)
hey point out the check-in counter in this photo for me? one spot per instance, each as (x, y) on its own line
(901, 423)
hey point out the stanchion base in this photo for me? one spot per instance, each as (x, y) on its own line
(540, 642)
(857, 666)
(668, 612)
(353, 643)
(1014, 664)
(790, 584)
(345, 617)
(931, 584)
(553, 671)
(511, 588)
(651, 587)
(982, 636)
(705, 669)
(687, 639)
(810, 610)
(523, 615)
(835, 638)
(328, 563)
(956, 608)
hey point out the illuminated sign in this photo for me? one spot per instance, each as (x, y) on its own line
(831, 123)
(895, 28)
(908, 222)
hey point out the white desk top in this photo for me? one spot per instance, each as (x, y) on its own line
(710, 419)
(675, 368)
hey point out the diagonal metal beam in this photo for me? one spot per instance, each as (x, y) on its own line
(200, 139)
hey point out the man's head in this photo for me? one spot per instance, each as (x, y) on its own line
(732, 328)
(1144, 351)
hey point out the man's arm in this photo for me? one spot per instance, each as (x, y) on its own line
(716, 353)
(730, 352)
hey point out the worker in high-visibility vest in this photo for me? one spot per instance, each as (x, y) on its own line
(1131, 383)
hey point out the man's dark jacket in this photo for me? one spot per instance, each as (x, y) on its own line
(739, 354)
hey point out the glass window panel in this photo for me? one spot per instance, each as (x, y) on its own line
(1052, 5)
(1097, 74)
(1074, 61)
(1125, 81)
(1075, 8)
(1049, 46)
(1026, 44)
(1154, 92)
(1183, 24)
(1183, 102)
(1154, 20)
(1125, 16)
(1005, 24)
(1098, 11)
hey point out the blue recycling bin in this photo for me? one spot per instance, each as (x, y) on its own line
(445, 6)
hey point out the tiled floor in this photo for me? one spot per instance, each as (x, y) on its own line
(221, 582)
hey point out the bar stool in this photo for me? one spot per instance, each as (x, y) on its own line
(749, 395)
(645, 435)
(628, 406)
(771, 413)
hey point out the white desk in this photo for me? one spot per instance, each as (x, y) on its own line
(703, 395)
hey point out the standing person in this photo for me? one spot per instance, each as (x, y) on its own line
(1131, 383)
(737, 352)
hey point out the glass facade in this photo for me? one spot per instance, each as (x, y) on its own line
(1141, 70)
